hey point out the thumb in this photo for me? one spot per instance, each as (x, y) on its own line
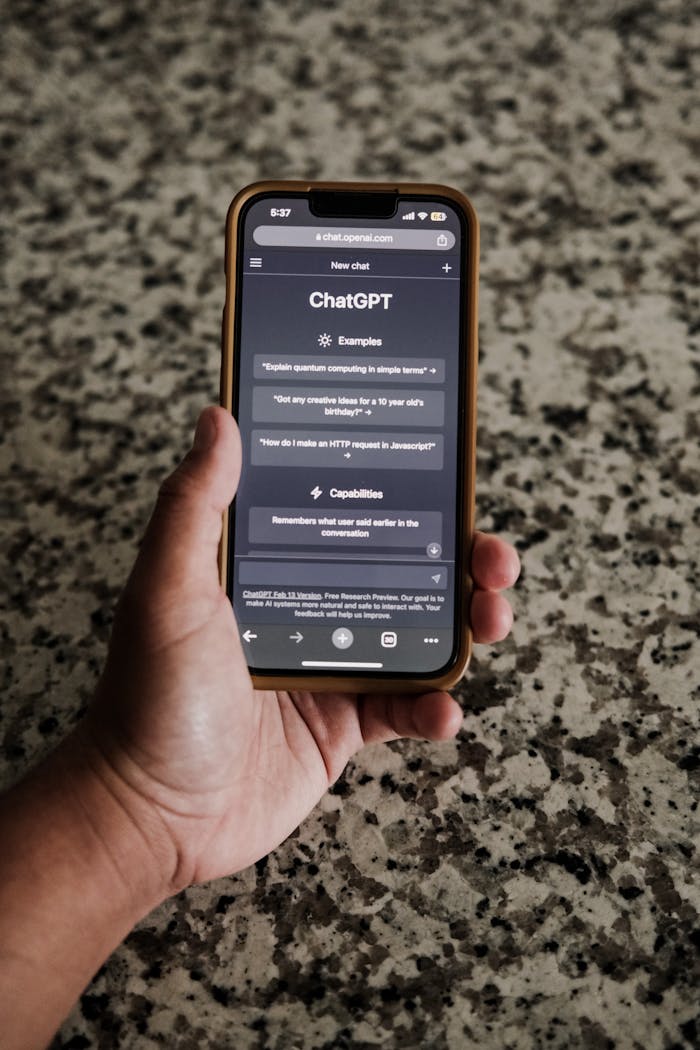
(178, 555)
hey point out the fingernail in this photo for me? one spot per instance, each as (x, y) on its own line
(205, 433)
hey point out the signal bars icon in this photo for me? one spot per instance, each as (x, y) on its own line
(409, 216)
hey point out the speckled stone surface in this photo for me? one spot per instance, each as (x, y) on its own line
(535, 883)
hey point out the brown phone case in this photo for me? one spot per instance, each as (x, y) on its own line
(328, 683)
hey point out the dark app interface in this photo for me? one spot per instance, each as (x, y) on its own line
(345, 518)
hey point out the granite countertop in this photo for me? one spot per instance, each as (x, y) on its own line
(535, 882)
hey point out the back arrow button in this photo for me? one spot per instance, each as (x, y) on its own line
(248, 636)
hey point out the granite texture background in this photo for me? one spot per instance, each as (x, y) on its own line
(534, 883)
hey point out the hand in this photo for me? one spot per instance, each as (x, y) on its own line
(214, 774)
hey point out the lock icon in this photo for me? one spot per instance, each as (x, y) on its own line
(441, 240)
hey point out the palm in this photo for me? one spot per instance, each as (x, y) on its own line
(285, 772)
(231, 771)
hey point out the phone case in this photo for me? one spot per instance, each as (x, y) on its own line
(361, 683)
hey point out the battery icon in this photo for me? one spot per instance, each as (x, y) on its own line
(437, 216)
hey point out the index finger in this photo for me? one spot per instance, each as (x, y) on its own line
(495, 564)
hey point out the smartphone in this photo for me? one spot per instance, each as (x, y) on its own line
(349, 361)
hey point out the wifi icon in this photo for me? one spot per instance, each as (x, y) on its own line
(422, 215)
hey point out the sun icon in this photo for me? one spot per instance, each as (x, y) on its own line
(325, 339)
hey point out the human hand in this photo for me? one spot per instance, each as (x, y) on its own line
(212, 773)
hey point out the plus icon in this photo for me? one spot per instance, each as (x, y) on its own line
(342, 638)
(447, 267)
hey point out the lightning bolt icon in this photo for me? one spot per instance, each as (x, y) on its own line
(316, 492)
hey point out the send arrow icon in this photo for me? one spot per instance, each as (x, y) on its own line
(437, 577)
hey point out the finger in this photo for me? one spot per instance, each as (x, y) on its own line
(495, 564)
(491, 616)
(181, 541)
(432, 716)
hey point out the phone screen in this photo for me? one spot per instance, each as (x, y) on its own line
(346, 547)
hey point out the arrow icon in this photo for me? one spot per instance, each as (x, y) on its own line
(347, 455)
(248, 635)
(437, 577)
(296, 637)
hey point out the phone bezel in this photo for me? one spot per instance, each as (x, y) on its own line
(369, 681)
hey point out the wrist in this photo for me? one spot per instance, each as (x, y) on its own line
(76, 874)
(119, 832)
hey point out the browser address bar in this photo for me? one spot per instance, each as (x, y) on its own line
(353, 237)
